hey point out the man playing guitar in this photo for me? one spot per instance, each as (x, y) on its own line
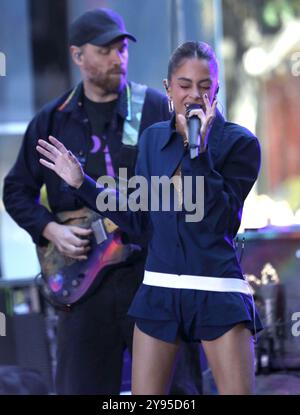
(90, 268)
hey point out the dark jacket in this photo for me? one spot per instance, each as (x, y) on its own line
(65, 119)
(229, 166)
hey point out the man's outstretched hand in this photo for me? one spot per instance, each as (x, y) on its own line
(61, 161)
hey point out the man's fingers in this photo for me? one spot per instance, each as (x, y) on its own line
(58, 144)
(79, 250)
(81, 231)
(75, 241)
(79, 242)
(78, 238)
(82, 258)
(76, 251)
(84, 242)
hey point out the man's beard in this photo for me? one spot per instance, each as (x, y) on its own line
(110, 84)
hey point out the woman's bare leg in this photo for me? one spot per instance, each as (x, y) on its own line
(152, 364)
(231, 359)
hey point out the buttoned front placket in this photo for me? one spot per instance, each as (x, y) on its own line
(178, 216)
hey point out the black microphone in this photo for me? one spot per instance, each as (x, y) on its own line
(194, 126)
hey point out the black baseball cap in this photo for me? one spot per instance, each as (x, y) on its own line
(98, 27)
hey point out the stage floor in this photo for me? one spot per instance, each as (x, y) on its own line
(276, 383)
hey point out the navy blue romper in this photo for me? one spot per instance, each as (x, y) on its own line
(204, 248)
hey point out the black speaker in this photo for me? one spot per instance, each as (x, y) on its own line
(271, 263)
(26, 341)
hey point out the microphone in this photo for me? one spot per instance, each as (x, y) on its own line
(194, 126)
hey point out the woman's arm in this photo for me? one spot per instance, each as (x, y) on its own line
(66, 166)
(225, 190)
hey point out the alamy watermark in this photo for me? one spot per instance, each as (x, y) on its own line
(2, 64)
(2, 324)
(188, 194)
(295, 63)
(296, 325)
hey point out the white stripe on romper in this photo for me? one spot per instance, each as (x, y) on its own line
(160, 279)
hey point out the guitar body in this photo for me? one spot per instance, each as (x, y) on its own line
(67, 280)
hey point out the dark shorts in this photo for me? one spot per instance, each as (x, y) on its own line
(168, 331)
(192, 315)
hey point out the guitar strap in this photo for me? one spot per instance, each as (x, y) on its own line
(126, 158)
(135, 101)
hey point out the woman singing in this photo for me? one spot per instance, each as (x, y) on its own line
(193, 286)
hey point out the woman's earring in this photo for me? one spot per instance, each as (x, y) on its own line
(170, 105)
(170, 102)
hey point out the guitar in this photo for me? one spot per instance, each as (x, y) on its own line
(64, 280)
